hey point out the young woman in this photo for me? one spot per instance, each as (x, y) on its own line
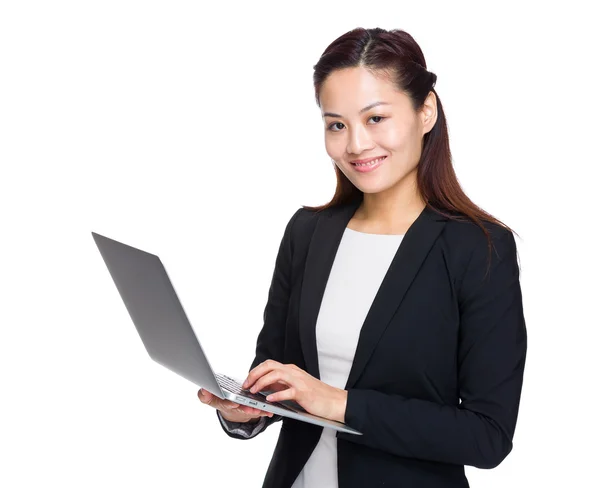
(396, 307)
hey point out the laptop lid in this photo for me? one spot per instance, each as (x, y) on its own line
(156, 311)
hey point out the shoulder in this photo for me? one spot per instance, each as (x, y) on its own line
(300, 227)
(302, 221)
(469, 236)
(465, 245)
(477, 255)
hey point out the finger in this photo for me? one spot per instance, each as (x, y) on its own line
(208, 398)
(259, 371)
(229, 405)
(256, 412)
(289, 394)
(250, 410)
(205, 396)
(277, 376)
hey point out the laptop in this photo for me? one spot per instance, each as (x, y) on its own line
(167, 334)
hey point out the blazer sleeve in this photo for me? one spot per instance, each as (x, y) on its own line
(244, 430)
(271, 338)
(491, 361)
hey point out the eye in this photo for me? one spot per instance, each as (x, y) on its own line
(332, 125)
(336, 123)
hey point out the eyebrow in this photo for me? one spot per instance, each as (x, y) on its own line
(368, 107)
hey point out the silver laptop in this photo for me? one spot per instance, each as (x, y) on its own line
(168, 336)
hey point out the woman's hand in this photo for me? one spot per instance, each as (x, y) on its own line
(313, 395)
(234, 412)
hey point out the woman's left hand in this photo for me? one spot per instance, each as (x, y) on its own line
(311, 394)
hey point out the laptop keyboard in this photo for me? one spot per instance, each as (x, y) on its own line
(231, 385)
(234, 387)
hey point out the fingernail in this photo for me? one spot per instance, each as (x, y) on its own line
(245, 385)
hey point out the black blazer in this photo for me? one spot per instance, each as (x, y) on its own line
(437, 375)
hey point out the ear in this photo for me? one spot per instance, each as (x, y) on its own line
(429, 112)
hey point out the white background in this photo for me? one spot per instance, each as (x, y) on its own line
(190, 130)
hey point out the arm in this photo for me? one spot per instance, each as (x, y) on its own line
(491, 362)
(272, 335)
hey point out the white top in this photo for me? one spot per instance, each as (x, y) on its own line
(360, 264)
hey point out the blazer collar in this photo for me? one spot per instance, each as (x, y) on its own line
(326, 239)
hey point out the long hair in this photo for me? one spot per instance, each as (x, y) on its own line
(397, 54)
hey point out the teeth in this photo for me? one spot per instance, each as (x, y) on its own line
(369, 164)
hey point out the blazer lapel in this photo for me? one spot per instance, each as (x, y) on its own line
(323, 247)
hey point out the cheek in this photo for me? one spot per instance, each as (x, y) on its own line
(392, 138)
(334, 147)
(402, 140)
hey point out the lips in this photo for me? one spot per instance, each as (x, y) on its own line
(368, 160)
(369, 167)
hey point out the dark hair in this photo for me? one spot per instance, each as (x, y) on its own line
(396, 54)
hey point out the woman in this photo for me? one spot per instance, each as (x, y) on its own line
(395, 308)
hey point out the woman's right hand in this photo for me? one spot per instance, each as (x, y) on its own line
(234, 412)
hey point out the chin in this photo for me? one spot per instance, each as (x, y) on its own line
(367, 189)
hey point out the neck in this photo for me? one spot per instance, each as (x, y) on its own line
(396, 206)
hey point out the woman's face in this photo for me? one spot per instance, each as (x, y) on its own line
(392, 130)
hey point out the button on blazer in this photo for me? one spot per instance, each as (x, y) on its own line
(436, 380)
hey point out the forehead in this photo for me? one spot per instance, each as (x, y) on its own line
(354, 88)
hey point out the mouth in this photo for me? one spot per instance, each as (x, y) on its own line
(367, 164)
(362, 162)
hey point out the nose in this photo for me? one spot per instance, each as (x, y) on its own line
(359, 141)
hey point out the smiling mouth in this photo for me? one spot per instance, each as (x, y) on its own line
(368, 162)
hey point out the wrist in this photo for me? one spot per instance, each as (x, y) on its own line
(340, 411)
(244, 419)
